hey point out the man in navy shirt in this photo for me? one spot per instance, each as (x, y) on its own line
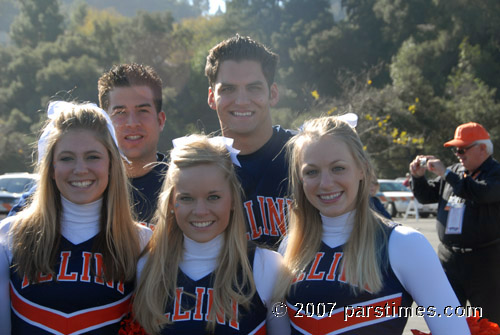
(132, 96)
(242, 90)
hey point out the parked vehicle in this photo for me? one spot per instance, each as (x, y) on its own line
(396, 197)
(12, 186)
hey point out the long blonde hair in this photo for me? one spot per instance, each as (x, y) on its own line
(158, 281)
(36, 231)
(362, 252)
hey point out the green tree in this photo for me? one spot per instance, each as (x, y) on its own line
(97, 30)
(38, 21)
(19, 88)
(15, 145)
(413, 70)
(188, 110)
(150, 38)
(364, 35)
(255, 18)
(469, 97)
(66, 68)
(479, 22)
(402, 19)
(301, 22)
(7, 13)
(180, 9)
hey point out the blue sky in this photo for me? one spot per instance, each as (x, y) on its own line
(214, 5)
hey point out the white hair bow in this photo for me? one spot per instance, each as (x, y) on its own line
(350, 118)
(55, 109)
(217, 140)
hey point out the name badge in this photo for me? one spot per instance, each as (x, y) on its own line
(456, 209)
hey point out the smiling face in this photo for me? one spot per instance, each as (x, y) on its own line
(330, 176)
(202, 202)
(81, 166)
(242, 98)
(136, 122)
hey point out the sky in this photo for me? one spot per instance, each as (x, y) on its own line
(214, 5)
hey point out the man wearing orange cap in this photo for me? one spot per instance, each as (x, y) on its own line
(468, 219)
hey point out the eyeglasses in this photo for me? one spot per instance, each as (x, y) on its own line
(462, 151)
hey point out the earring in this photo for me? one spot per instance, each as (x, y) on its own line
(171, 211)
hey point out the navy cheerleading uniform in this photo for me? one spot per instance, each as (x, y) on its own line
(75, 299)
(194, 294)
(189, 313)
(322, 290)
(321, 301)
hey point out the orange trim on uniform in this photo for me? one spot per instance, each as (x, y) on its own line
(68, 323)
(335, 322)
(260, 329)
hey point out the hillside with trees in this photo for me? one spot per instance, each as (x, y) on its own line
(412, 70)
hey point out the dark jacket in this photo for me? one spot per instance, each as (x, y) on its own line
(481, 195)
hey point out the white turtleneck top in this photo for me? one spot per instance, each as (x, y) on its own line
(200, 259)
(416, 266)
(79, 223)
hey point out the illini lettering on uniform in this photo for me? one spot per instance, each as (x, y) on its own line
(73, 300)
(85, 275)
(310, 298)
(271, 212)
(314, 274)
(200, 312)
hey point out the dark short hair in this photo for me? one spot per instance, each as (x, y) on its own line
(127, 75)
(239, 48)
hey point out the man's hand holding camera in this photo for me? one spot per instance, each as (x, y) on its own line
(422, 163)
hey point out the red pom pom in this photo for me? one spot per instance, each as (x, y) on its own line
(482, 326)
(477, 326)
(130, 327)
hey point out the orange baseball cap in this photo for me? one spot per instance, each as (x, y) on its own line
(468, 133)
